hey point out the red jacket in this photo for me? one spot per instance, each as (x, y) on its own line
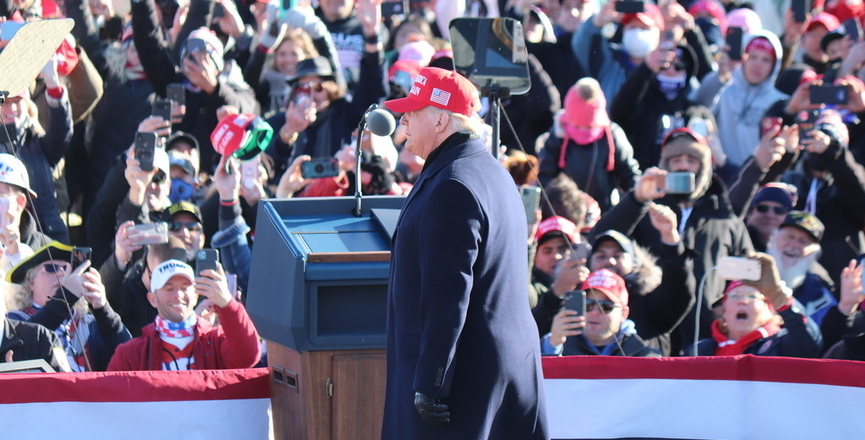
(233, 344)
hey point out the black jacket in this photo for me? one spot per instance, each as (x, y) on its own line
(29, 341)
(712, 231)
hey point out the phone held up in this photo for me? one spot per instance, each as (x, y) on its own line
(319, 167)
(531, 196)
(148, 233)
(206, 259)
(576, 300)
(739, 268)
(145, 146)
(80, 255)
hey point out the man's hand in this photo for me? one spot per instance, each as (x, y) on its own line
(651, 185)
(94, 290)
(769, 283)
(570, 275)
(137, 179)
(431, 410)
(200, 70)
(213, 286)
(227, 183)
(123, 245)
(851, 288)
(664, 221)
(566, 323)
(292, 180)
(74, 280)
(155, 124)
(770, 149)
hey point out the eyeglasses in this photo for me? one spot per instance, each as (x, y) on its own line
(55, 267)
(314, 86)
(159, 178)
(189, 226)
(778, 210)
(605, 305)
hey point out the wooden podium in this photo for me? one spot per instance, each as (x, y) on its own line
(318, 295)
(336, 395)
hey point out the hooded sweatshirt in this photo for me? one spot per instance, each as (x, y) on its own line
(741, 106)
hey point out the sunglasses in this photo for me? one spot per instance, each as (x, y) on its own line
(310, 86)
(189, 226)
(606, 306)
(56, 268)
(159, 178)
(778, 210)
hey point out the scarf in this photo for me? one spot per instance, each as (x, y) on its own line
(611, 148)
(168, 329)
(729, 347)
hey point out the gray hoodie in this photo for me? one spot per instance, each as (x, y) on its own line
(741, 106)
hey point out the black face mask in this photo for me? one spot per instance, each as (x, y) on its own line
(9, 133)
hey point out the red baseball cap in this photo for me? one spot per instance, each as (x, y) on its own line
(651, 16)
(440, 88)
(608, 283)
(556, 224)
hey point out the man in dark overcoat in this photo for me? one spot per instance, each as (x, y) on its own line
(463, 356)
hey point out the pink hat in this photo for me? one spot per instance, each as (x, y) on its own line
(746, 19)
(419, 51)
(608, 283)
(440, 88)
(556, 224)
(713, 8)
(580, 113)
(651, 16)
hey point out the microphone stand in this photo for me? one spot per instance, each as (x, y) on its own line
(357, 179)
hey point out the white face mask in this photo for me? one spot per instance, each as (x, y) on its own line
(639, 42)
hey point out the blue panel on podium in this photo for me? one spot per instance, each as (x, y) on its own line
(318, 279)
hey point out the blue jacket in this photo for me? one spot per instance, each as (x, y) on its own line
(458, 326)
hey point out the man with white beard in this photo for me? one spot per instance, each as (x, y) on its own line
(795, 245)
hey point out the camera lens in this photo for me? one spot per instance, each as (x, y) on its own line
(319, 168)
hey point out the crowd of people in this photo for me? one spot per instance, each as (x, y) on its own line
(700, 165)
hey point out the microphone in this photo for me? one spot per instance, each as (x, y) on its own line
(380, 122)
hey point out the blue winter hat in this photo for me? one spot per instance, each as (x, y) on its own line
(780, 193)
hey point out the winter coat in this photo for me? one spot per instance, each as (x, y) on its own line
(458, 327)
(232, 344)
(587, 164)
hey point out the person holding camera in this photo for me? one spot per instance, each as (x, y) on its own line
(741, 105)
(760, 318)
(177, 339)
(708, 227)
(51, 295)
(584, 144)
(829, 182)
(601, 326)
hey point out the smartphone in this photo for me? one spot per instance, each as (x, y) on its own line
(531, 196)
(80, 255)
(4, 211)
(739, 268)
(390, 8)
(148, 233)
(852, 29)
(668, 40)
(576, 300)
(630, 6)
(828, 95)
(770, 124)
(800, 9)
(319, 167)
(806, 120)
(249, 172)
(162, 108)
(145, 146)
(206, 259)
(299, 96)
(176, 93)
(734, 42)
(680, 182)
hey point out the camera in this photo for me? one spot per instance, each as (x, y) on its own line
(148, 233)
(319, 167)
(680, 182)
(630, 6)
(739, 268)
